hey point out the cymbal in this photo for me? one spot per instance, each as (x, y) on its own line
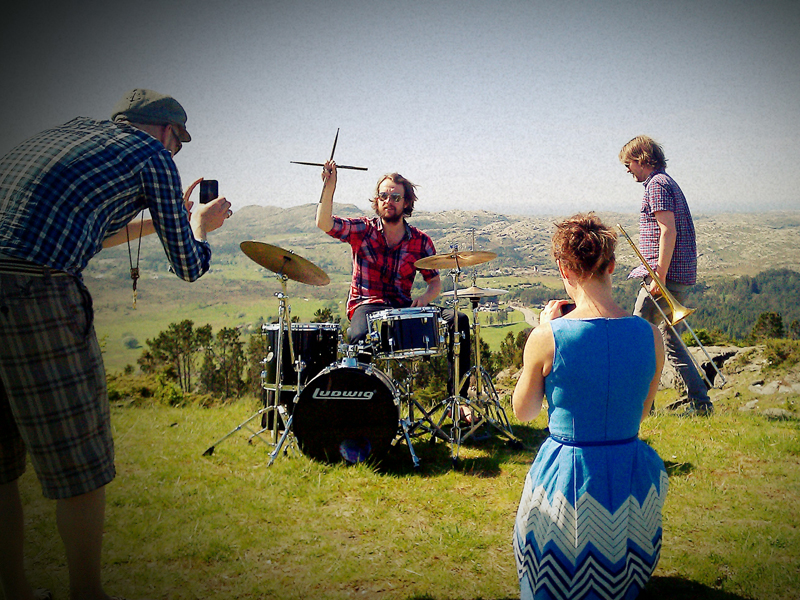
(285, 262)
(476, 292)
(450, 261)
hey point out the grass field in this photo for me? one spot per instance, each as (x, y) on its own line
(181, 525)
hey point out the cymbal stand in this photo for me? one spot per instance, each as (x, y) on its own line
(276, 408)
(410, 426)
(486, 397)
(452, 406)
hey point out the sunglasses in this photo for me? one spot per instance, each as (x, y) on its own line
(385, 196)
(176, 134)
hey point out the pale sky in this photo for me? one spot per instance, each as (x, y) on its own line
(518, 107)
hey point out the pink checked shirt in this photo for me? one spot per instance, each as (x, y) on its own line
(662, 193)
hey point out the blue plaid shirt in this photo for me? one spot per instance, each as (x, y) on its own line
(65, 190)
(662, 193)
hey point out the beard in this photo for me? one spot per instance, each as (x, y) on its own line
(394, 218)
(390, 215)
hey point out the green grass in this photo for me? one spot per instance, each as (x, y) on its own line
(185, 526)
(495, 333)
(214, 300)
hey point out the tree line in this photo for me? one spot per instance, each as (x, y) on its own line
(228, 364)
(729, 310)
(187, 360)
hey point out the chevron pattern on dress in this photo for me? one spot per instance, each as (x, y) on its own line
(592, 580)
(572, 551)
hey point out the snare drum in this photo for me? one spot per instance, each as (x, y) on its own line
(314, 343)
(406, 332)
(350, 411)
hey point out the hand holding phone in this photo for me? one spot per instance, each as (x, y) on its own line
(209, 190)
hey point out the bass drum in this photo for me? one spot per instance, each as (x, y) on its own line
(348, 412)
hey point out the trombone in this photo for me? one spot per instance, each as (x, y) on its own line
(678, 312)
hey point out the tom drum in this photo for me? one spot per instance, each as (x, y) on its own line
(406, 332)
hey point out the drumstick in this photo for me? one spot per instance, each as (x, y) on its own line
(311, 164)
(336, 139)
(333, 150)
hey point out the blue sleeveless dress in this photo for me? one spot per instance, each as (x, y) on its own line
(589, 521)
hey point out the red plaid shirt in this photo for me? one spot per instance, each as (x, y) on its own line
(662, 193)
(382, 275)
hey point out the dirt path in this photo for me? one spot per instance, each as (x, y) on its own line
(531, 318)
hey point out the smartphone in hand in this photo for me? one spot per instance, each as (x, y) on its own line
(209, 190)
(567, 308)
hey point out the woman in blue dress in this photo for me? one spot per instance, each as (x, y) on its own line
(589, 520)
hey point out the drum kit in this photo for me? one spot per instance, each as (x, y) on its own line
(320, 395)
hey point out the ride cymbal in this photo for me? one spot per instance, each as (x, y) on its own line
(285, 262)
(455, 259)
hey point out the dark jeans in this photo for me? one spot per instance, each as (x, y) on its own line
(359, 329)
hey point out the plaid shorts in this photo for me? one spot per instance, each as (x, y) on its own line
(53, 397)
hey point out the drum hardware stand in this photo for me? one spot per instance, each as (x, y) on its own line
(408, 423)
(276, 408)
(495, 413)
(452, 405)
(486, 408)
(486, 396)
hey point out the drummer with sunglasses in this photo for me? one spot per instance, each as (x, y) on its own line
(385, 248)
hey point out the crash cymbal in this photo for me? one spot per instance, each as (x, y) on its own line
(285, 262)
(476, 292)
(450, 261)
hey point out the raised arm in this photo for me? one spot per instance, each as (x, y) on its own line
(325, 207)
(131, 231)
(135, 229)
(536, 364)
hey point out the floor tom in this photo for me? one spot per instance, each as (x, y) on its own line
(315, 344)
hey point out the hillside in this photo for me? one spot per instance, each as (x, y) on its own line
(238, 293)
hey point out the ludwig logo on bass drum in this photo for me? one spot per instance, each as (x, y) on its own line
(355, 395)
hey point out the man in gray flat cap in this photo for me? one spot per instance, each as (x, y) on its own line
(64, 195)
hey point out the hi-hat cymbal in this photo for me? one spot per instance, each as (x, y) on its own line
(285, 262)
(455, 259)
(476, 292)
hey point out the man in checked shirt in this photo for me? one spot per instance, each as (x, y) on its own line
(64, 195)
(667, 241)
(385, 248)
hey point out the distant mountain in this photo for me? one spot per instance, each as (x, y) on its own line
(728, 244)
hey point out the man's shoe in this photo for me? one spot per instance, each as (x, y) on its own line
(699, 409)
(42, 594)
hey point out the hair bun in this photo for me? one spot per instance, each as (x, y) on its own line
(583, 244)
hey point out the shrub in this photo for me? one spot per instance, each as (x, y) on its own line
(168, 392)
(781, 354)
